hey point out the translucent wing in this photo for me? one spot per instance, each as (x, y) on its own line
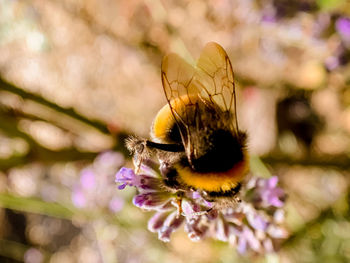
(215, 77)
(177, 77)
(201, 99)
(181, 94)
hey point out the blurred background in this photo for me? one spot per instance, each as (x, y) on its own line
(77, 76)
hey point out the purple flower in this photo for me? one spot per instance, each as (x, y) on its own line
(126, 176)
(268, 18)
(94, 189)
(342, 25)
(78, 198)
(33, 255)
(171, 223)
(222, 230)
(257, 221)
(151, 200)
(109, 159)
(332, 62)
(268, 14)
(165, 223)
(157, 221)
(251, 224)
(116, 204)
(268, 192)
(247, 239)
(87, 179)
(190, 209)
(199, 199)
(267, 244)
(196, 228)
(144, 182)
(277, 232)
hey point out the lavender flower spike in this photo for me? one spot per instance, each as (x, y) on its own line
(270, 193)
(86, 191)
(151, 200)
(254, 224)
(343, 26)
(126, 176)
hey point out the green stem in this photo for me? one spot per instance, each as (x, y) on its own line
(34, 205)
(99, 125)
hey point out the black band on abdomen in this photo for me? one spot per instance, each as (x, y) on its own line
(230, 193)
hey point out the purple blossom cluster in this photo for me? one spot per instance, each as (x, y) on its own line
(342, 26)
(326, 26)
(340, 56)
(95, 186)
(253, 224)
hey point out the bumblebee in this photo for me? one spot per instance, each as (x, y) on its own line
(195, 136)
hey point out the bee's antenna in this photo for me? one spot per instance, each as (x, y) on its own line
(168, 147)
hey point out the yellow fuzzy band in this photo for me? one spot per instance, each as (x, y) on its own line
(162, 123)
(165, 120)
(214, 182)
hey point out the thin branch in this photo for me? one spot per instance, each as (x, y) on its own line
(15, 251)
(340, 161)
(15, 113)
(36, 151)
(97, 124)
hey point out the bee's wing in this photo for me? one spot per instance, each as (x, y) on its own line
(177, 77)
(201, 98)
(215, 77)
(178, 84)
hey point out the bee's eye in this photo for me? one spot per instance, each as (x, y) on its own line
(174, 133)
(139, 148)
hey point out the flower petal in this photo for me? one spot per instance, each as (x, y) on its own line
(78, 198)
(126, 177)
(87, 179)
(257, 222)
(124, 174)
(195, 229)
(272, 182)
(157, 221)
(221, 230)
(251, 239)
(190, 208)
(148, 183)
(151, 200)
(171, 223)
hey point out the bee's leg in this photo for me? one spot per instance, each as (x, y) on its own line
(238, 199)
(209, 210)
(179, 204)
(137, 146)
(137, 164)
(137, 160)
(169, 176)
(141, 154)
(207, 197)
